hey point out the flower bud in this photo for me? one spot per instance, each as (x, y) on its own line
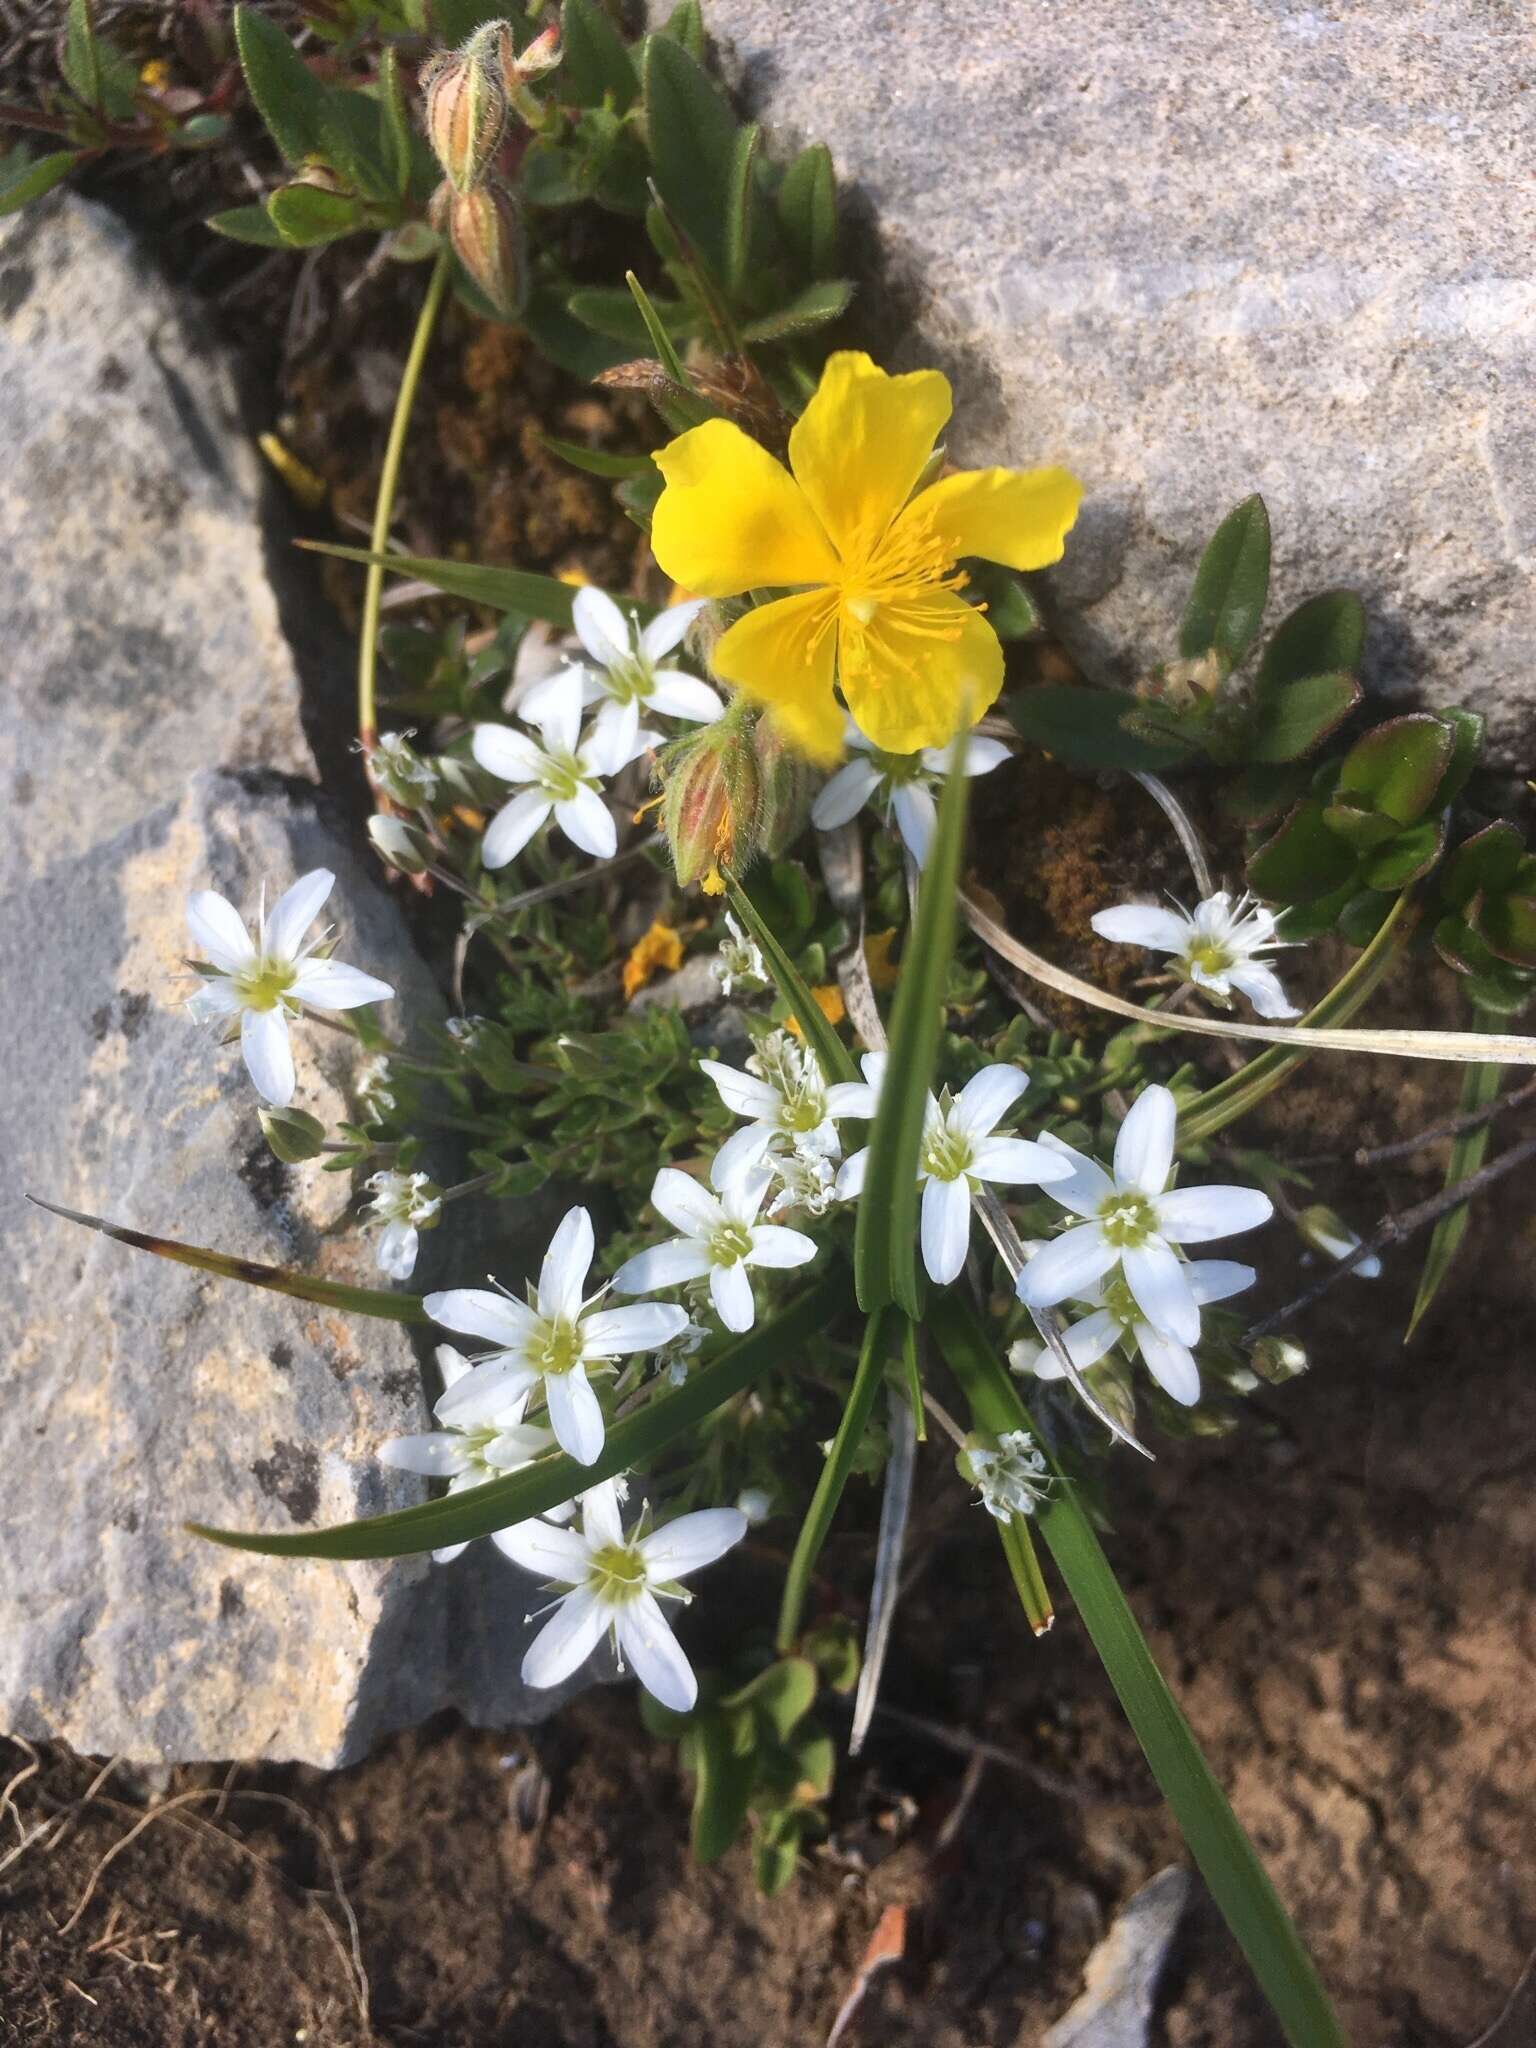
(710, 801)
(397, 844)
(518, 70)
(401, 772)
(466, 112)
(292, 1134)
(486, 230)
(784, 778)
(1326, 1231)
(1277, 1360)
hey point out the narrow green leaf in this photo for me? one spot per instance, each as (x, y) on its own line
(867, 1381)
(598, 461)
(567, 343)
(397, 133)
(911, 1372)
(835, 1060)
(685, 25)
(885, 1240)
(24, 177)
(741, 205)
(361, 1301)
(504, 590)
(1293, 718)
(638, 496)
(307, 216)
(1226, 1858)
(595, 65)
(1231, 584)
(247, 224)
(288, 96)
(461, 1517)
(807, 210)
(656, 331)
(1479, 1087)
(817, 306)
(1323, 636)
(81, 62)
(613, 310)
(1085, 729)
(692, 136)
(1024, 1569)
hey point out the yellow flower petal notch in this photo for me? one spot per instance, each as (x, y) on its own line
(869, 557)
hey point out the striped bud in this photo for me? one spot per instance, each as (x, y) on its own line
(466, 113)
(710, 800)
(486, 230)
(785, 779)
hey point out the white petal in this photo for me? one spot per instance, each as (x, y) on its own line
(450, 1363)
(1087, 1187)
(692, 1541)
(601, 1522)
(214, 1001)
(487, 1394)
(850, 1176)
(851, 1098)
(513, 1448)
(1217, 1279)
(916, 816)
(614, 738)
(668, 628)
(1144, 1145)
(563, 1275)
(440, 1454)
(513, 826)
(1066, 1267)
(846, 794)
(742, 1197)
(330, 985)
(1261, 985)
(664, 1265)
(684, 1204)
(678, 695)
(743, 1093)
(1156, 1278)
(537, 704)
(476, 1312)
(560, 728)
(1016, 1162)
(618, 1332)
(588, 823)
(1193, 1215)
(654, 1652)
(218, 931)
(575, 1414)
(1143, 924)
(1086, 1342)
(773, 1245)
(1170, 1363)
(566, 1640)
(946, 1228)
(268, 1055)
(449, 1552)
(986, 1099)
(295, 911)
(506, 753)
(741, 1154)
(396, 1249)
(601, 627)
(547, 1552)
(731, 1292)
(983, 755)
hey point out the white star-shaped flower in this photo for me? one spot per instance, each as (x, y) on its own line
(268, 980)
(959, 1152)
(622, 673)
(1115, 1316)
(564, 776)
(899, 785)
(738, 959)
(470, 1454)
(616, 1580)
(720, 1238)
(402, 1205)
(1134, 1225)
(784, 1092)
(1216, 946)
(550, 1342)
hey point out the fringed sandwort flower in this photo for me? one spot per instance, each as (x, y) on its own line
(402, 1206)
(622, 670)
(564, 774)
(901, 786)
(720, 1239)
(1115, 1316)
(1215, 946)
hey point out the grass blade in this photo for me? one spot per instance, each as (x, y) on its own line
(885, 1243)
(1028, 1579)
(461, 1517)
(1479, 1086)
(360, 1301)
(504, 590)
(1227, 1859)
(835, 1059)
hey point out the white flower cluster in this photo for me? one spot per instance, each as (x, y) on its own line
(1011, 1476)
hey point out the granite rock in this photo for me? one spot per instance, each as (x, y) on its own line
(1195, 251)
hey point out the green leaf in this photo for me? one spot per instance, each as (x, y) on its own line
(725, 1774)
(247, 224)
(776, 1855)
(362, 1301)
(288, 96)
(1403, 859)
(1231, 584)
(81, 61)
(24, 177)
(638, 496)
(504, 590)
(885, 1237)
(1324, 636)
(1488, 860)
(780, 1697)
(549, 1481)
(568, 344)
(1508, 923)
(595, 66)
(1467, 728)
(833, 1057)
(741, 199)
(306, 215)
(612, 310)
(455, 21)
(807, 210)
(1293, 718)
(879, 1338)
(598, 461)
(1302, 861)
(397, 135)
(692, 136)
(816, 306)
(1397, 767)
(1011, 612)
(656, 333)
(1225, 1856)
(1479, 1087)
(685, 25)
(1258, 795)
(1083, 728)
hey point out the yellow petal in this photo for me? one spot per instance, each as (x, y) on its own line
(732, 519)
(859, 447)
(1018, 517)
(921, 672)
(783, 655)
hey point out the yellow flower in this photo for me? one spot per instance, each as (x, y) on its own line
(660, 951)
(875, 607)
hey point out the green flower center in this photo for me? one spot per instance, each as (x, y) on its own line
(560, 777)
(730, 1243)
(617, 1573)
(562, 1348)
(947, 1154)
(629, 680)
(801, 1113)
(1127, 1219)
(1209, 958)
(263, 986)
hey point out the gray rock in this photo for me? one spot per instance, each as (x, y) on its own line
(1120, 1977)
(1194, 251)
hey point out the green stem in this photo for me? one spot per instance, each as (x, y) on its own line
(384, 503)
(834, 1476)
(1028, 1579)
(1230, 1099)
(1479, 1087)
